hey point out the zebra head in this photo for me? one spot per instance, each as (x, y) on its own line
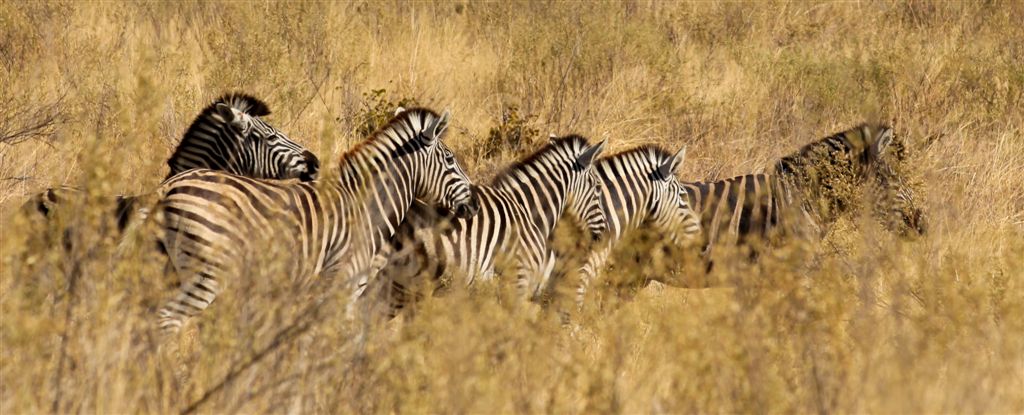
(893, 198)
(229, 135)
(669, 204)
(441, 181)
(584, 190)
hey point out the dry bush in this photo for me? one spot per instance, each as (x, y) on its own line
(863, 322)
(376, 111)
(512, 135)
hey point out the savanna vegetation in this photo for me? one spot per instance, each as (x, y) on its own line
(96, 95)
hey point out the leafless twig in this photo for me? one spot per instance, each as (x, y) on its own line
(303, 322)
(20, 120)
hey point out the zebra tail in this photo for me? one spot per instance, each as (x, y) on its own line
(136, 214)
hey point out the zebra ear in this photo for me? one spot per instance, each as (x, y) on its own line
(671, 166)
(399, 110)
(882, 142)
(586, 159)
(231, 115)
(435, 131)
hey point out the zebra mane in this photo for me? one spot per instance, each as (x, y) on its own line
(660, 154)
(553, 147)
(426, 115)
(242, 102)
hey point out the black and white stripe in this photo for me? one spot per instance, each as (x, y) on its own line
(809, 190)
(214, 222)
(641, 194)
(518, 213)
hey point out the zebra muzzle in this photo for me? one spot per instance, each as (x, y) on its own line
(468, 209)
(312, 167)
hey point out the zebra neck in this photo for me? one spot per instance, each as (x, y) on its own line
(616, 213)
(543, 197)
(626, 211)
(378, 188)
(826, 174)
(209, 146)
(801, 197)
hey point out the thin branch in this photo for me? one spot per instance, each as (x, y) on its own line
(316, 94)
(22, 122)
(74, 275)
(302, 323)
(16, 178)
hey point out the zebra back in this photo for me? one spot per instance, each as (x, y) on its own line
(736, 209)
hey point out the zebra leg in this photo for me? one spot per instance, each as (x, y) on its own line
(193, 297)
(358, 280)
(377, 292)
(529, 283)
(589, 272)
(387, 292)
(547, 283)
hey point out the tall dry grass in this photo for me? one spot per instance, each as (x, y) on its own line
(865, 323)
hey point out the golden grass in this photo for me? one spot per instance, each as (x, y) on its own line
(869, 323)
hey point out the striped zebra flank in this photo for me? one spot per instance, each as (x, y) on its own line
(215, 224)
(734, 210)
(645, 206)
(809, 190)
(228, 135)
(518, 213)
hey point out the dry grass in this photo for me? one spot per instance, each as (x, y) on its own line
(869, 324)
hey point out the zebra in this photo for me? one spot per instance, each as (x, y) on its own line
(807, 191)
(227, 135)
(642, 199)
(212, 221)
(518, 213)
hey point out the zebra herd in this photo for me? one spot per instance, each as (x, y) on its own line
(398, 214)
